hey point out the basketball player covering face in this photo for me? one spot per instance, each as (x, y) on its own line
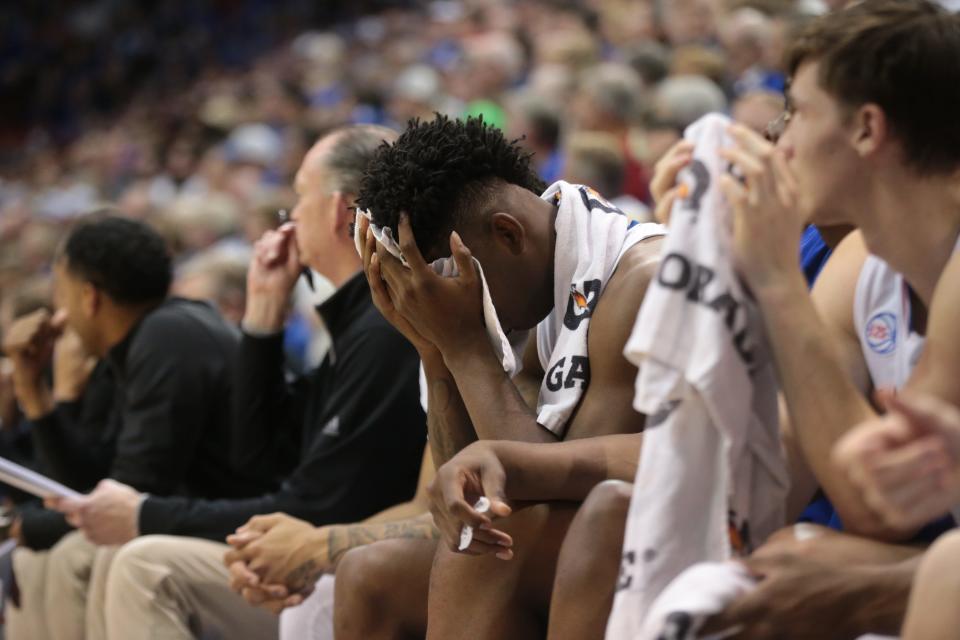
(488, 207)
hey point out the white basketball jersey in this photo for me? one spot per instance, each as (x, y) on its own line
(882, 317)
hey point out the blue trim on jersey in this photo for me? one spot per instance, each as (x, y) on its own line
(813, 254)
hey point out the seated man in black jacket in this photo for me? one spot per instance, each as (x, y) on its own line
(353, 427)
(75, 435)
(171, 362)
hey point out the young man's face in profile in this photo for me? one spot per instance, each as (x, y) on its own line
(72, 296)
(817, 141)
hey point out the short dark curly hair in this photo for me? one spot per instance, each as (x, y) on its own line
(440, 170)
(124, 258)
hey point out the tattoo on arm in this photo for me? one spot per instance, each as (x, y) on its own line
(342, 539)
(447, 421)
(304, 576)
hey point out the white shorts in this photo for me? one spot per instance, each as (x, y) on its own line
(312, 620)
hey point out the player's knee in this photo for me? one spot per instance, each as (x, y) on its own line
(803, 531)
(368, 589)
(605, 509)
(157, 549)
(146, 564)
(786, 535)
(947, 547)
(801, 540)
(366, 575)
(448, 563)
(592, 546)
(943, 560)
(71, 557)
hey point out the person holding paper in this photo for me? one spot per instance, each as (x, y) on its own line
(73, 422)
(171, 361)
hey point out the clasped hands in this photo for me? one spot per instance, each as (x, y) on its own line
(276, 560)
(905, 462)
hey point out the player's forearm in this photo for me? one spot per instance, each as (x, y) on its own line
(448, 423)
(879, 604)
(343, 538)
(823, 401)
(496, 408)
(566, 470)
(266, 312)
(34, 397)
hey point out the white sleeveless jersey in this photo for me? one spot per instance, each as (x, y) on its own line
(548, 332)
(882, 317)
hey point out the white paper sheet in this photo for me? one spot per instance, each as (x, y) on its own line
(33, 482)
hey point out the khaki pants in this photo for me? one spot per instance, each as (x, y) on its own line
(166, 587)
(61, 591)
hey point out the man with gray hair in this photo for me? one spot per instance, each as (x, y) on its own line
(682, 100)
(345, 441)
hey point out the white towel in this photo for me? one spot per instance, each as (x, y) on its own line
(701, 591)
(695, 595)
(592, 236)
(711, 481)
(509, 349)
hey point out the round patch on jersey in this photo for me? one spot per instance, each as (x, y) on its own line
(881, 333)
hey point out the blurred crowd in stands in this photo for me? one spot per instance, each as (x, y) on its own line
(194, 116)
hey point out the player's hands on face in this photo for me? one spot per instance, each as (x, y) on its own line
(273, 272)
(663, 186)
(382, 296)
(906, 462)
(767, 224)
(474, 472)
(443, 312)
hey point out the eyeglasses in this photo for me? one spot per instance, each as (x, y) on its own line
(777, 126)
